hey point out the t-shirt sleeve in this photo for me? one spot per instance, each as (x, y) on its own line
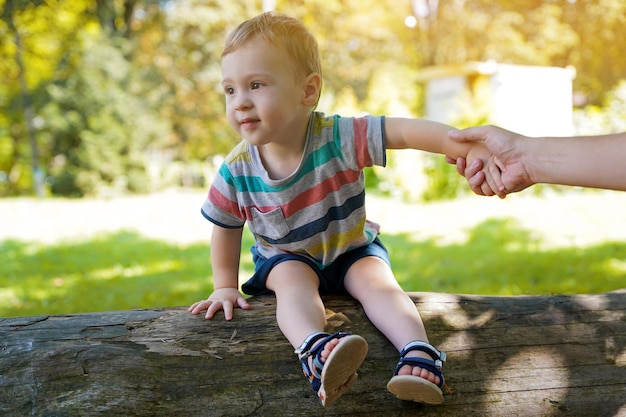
(368, 144)
(220, 206)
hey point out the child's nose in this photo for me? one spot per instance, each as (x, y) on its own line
(243, 101)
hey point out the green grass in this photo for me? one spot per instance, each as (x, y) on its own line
(126, 271)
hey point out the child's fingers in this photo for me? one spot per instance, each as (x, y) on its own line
(450, 160)
(487, 189)
(227, 306)
(242, 303)
(198, 306)
(495, 175)
(461, 165)
(217, 306)
(474, 168)
(476, 181)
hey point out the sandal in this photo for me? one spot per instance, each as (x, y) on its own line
(332, 378)
(415, 388)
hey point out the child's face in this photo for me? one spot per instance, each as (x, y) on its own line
(264, 96)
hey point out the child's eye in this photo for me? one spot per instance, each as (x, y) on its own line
(255, 85)
(229, 91)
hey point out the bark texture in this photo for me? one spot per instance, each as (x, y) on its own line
(507, 356)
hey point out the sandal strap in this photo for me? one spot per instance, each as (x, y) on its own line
(314, 372)
(304, 350)
(438, 356)
(424, 364)
(433, 366)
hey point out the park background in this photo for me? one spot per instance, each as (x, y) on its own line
(112, 125)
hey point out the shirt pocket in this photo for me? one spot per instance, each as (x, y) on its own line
(271, 225)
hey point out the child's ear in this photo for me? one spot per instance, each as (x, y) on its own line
(312, 87)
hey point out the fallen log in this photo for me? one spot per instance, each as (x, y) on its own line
(507, 356)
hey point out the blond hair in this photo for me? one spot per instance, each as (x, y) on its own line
(283, 31)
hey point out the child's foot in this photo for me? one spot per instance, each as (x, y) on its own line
(330, 363)
(327, 349)
(417, 370)
(418, 375)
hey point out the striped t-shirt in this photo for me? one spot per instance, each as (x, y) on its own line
(319, 210)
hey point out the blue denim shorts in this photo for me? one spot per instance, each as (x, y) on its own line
(331, 278)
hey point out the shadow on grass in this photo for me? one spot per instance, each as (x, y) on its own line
(126, 271)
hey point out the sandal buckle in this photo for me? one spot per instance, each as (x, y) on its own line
(302, 355)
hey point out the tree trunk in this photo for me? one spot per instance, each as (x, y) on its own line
(507, 356)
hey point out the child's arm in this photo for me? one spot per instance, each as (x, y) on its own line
(430, 136)
(225, 254)
(424, 135)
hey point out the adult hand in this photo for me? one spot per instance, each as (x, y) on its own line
(508, 155)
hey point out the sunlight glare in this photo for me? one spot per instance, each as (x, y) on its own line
(546, 369)
(9, 297)
(134, 271)
(616, 265)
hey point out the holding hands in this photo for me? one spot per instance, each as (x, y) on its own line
(503, 172)
(519, 161)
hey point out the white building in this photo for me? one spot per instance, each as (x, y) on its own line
(535, 101)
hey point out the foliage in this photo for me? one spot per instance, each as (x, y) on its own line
(443, 180)
(595, 120)
(98, 126)
(185, 49)
(125, 271)
(103, 81)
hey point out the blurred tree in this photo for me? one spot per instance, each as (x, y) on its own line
(20, 71)
(510, 31)
(86, 94)
(113, 99)
(110, 79)
(186, 53)
(100, 126)
(608, 118)
(584, 33)
(367, 58)
(599, 53)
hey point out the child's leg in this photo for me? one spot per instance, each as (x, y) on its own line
(389, 308)
(299, 307)
(300, 313)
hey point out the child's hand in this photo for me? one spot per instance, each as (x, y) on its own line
(226, 299)
(479, 156)
(510, 158)
(493, 177)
